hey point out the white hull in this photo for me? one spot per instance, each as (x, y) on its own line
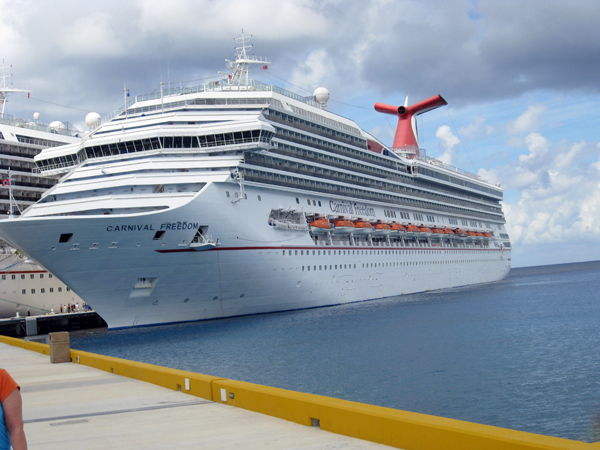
(249, 272)
(26, 287)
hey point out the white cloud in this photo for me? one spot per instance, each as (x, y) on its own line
(528, 121)
(476, 129)
(447, 143)
(91, 36)
(310, 73)
(560, 193)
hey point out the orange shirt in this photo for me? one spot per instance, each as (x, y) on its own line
(7, 385)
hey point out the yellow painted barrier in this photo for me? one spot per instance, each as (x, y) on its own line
(34, 346)
(401, 429)
(198, 385)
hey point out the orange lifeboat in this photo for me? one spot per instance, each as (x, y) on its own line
(488, 236)
(343, 227)
(320, 226)
(460, 233)
(448, 233)
(425, 231)
(382, 229)
(438, 232)
(478, 235)
(471, 235)
(398, 229)
(363, 228)
(412, 230)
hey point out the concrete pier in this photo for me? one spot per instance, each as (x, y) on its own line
(69, 405)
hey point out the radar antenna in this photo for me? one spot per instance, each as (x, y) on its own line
(4, 91)
(243, 61)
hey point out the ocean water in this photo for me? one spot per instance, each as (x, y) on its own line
(522, 353)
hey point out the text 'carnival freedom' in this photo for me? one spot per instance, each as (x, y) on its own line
(150, 227)
(351, 208)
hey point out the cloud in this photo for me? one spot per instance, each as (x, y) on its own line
(317, 67)
(476, 129)
(559, 188)
(447, 142)
(528, 121)
(89, 35)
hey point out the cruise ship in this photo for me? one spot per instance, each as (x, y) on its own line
(238, 197)
(25, 286)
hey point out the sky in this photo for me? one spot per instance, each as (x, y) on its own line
(521, 79)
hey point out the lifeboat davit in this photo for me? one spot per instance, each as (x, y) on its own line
(398, 229)
(382, 229)
(343, 227)
(488, 236)
(412, 230)
(460, 233)
(425, 231)
(362, 228)
(449, 233)
(320, 226)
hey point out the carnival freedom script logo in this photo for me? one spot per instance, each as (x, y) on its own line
(351, 208)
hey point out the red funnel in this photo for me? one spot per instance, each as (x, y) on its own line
(405, 135)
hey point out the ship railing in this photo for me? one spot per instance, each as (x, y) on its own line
(7, 119)
(215, 86)
(437, 162)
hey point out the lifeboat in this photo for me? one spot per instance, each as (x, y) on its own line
(343, 227)
(398, 229)
(438, 232)
(460, 233)
(382, 229)
(412, 230)
(488, 236)
(362, 228)
(425, 231)
(479, 235)
(320, 226)
(471, 235)
(449, 233)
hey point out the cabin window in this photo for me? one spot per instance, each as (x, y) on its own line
(33, 291)
(22, 276)
(23, 291)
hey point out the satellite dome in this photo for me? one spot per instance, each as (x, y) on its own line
(321, 96)
(92, 120)
(57, 125)
(36, 116)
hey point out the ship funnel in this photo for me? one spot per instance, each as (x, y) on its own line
(405, 130)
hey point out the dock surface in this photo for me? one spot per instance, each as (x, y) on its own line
(69, 405)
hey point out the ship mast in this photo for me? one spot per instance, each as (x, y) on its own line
(243, 61)
(4, 90)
